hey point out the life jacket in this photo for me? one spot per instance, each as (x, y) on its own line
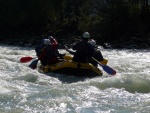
(41, 53)
(84, 51)
(51, 55)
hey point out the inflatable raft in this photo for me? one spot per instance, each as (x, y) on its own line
(69, 67)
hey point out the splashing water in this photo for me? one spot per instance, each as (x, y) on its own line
(26, 90)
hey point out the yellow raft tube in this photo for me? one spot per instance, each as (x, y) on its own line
(68, 67)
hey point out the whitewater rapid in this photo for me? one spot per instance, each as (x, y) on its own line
(23, 90)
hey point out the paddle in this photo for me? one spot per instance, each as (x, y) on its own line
(33, 65)
(26, 59)
(106, 68)
(29, 58)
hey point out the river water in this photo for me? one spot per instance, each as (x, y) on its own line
(23, 90)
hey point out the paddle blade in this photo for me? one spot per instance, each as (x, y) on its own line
(26, 59)
(108, 69)
(33, 65)
(104, 61)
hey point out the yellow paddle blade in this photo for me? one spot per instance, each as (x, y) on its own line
(104, 61)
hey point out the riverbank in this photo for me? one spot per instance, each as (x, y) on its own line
(32, 41)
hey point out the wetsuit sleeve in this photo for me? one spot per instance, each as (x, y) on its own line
(42, 54)
(100, 56)
(37, 50)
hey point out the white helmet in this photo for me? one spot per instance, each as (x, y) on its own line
(86, 35)
(93, 42)
(46, 42)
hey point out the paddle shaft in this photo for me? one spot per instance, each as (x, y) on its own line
(34, 63)
(97, 61)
